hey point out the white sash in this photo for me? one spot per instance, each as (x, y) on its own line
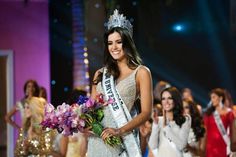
(120, 114)
(222, 130)
(172, 144)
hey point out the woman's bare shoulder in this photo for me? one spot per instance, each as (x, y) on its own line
(143, 71)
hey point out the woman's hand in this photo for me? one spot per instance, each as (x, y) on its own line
(145, 131)
(87, 131)
(108, 132)
(155, 116)
(164, 118)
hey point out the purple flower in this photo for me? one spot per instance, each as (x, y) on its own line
(72, 119)
(82, 99)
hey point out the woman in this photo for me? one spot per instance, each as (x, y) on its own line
(32, 140)
(31, 89)
(170, 132)
(218, 119)
(123, 77)
(196, 140)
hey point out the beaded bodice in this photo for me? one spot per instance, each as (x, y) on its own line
(126, 88)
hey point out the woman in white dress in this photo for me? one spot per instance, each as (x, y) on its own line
(170, 133)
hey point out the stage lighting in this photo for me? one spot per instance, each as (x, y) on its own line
(178, 27)
(53, 82)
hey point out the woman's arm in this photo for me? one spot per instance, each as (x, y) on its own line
(198, 150)
(63, 145)
(9, 115)
(144, 85)
(83, 145)
(94, 91)
(202, 146)
(180, 138)
(154, 137)
(233, 136)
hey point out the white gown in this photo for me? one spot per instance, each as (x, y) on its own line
(171, 139)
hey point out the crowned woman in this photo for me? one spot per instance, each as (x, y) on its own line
(124, 79)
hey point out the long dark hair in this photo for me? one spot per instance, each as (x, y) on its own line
(220, 93)
(197, 122)
(36, 87)
(130, 50)
(178, 105)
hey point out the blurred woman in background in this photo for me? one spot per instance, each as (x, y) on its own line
(31, 89)
(196, 140)
(170, 133)
(218, 119)
(33, 140)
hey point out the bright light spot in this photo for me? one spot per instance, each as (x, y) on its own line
(53, 82)
(178, 28)
(87, 87)
(86, 61)
(85, 48)
(86, 75)
(85, 54)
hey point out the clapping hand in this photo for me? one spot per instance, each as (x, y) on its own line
(155, 116)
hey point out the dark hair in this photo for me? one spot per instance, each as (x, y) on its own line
(36, 87)
(130, 51)
(43, 92)
(218, 91)
(178, 105)
(197, 122)
(158, 89)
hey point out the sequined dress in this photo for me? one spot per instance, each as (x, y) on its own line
(127, 90)
(40, 146)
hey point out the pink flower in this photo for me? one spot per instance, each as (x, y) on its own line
(82, 122)
(89, 103)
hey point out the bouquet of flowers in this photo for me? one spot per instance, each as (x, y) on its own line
(86, 113)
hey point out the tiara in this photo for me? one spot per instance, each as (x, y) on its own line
(118, 20)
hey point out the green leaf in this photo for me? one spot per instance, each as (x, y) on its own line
(97, 128)
(100, 115)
